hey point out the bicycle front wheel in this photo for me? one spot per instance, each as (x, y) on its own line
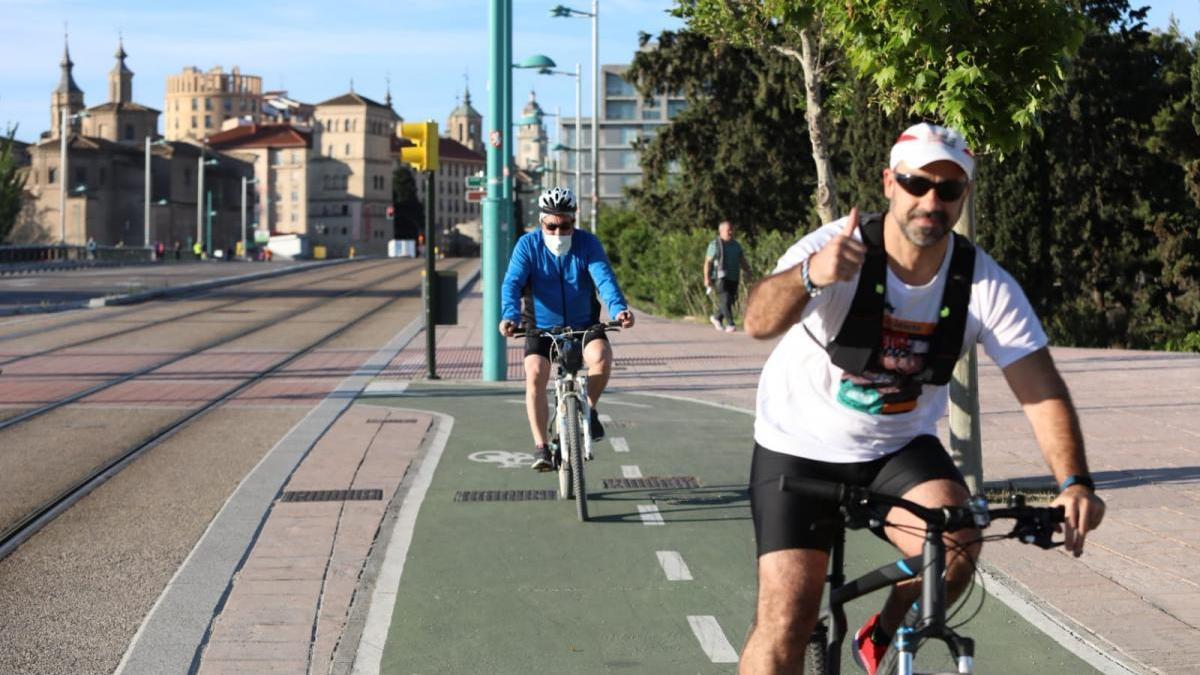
(574, 450)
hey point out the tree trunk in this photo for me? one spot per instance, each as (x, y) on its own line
(814, 112)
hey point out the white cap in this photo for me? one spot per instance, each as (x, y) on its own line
(925, 143)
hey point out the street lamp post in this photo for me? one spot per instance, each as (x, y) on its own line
(545, 66)
(146, 217)
(245, 182)
(201, 163)
(560, 11)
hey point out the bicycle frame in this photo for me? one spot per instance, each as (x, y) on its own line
(932, 606)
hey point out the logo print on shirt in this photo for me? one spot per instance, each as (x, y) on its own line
(888, 388)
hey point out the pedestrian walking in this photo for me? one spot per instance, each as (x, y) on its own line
(723, 263)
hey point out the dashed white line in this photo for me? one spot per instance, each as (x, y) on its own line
(673, 566)
(611, 401)
(712, 639)
(620, 445)
(630, 471)
(605, 418)
(650, 515)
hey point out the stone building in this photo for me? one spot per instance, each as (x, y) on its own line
(281, 155)
(465, 124)
(198, 103)
(106, 173)
(532, 141)
(350, 174)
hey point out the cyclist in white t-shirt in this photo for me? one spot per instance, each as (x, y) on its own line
(877, 427)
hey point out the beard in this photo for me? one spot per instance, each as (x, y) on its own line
(922, 236)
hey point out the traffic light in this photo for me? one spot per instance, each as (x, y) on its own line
(423, 154)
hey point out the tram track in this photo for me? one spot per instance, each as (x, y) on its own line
(19, 530)
(268, 322)
(200, 295)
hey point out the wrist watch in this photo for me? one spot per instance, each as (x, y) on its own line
(812, 289)
(1077, 479)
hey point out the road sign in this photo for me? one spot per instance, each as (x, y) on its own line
(476, 182)
(476, 195)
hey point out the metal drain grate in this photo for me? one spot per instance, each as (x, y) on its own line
(652, 482)
(504, 495)
(332, 495)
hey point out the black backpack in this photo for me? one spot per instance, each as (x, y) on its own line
(856, 346)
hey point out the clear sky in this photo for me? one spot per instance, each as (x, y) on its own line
(314, 49)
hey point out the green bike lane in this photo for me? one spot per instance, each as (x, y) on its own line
(660, 580)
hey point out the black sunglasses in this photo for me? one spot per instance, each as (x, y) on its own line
(917, 186)
(556, 227)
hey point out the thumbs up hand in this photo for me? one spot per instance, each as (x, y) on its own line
(840, 258)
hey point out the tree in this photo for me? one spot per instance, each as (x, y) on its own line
(1094, 217)
(407, 212)
(737, 150)
(12, 184)
(984, 67)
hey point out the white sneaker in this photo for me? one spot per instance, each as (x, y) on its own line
(715, 322)
(729, 329)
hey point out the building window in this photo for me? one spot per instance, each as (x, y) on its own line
(207, 121)
(129, 132)
(346, 125)
(208, 104)
(228, 105)
(620, 110)
(674, 108)
(195, 104)
(80, 176)
(103, 176)
(295, 196)
(50, 174)
(347, 149)
(193, 121)
(331, 150)
(345, 212)
(615, 85)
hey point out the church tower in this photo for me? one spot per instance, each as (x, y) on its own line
(465, 124)
(120, 78)
(531, 138)
(67, 96)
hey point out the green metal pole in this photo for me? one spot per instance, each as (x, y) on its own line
(208, 249)
(506, 210)
(430, 284)
(495, 361)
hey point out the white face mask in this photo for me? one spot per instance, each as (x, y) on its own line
(558, 244)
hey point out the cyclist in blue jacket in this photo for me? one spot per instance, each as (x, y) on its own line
(559, 270)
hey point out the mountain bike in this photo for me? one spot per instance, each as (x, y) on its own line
(570, 427)
(862, 508)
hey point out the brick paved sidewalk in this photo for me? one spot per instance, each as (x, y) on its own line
(1134, 596)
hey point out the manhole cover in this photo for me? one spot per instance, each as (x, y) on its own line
(504, 495)
(332, 495)
(652, 482)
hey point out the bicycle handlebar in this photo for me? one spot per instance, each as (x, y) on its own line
(566, 331)
(1034, 524)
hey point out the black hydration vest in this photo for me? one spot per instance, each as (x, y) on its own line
(856, 347)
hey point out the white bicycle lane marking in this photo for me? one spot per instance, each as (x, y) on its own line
(503, 459)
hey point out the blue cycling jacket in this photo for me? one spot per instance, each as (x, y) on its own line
(563, 288)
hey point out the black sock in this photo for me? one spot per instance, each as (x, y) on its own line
(879, 637)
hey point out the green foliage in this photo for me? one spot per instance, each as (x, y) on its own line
(740, 148)
(12, 184)
(662, 270)
(409, 217)
(985, 67)
(1094, 218)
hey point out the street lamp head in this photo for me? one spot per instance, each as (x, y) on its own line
(163, 202)
(539, 61)
(559, 11)
(79, 189)
(559, 147)
(529, 121)
(211, 162)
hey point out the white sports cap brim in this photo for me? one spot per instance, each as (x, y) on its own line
(923, 144)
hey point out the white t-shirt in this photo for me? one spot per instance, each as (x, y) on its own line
(810, 408)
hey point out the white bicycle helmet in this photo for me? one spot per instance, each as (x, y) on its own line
(557, 201)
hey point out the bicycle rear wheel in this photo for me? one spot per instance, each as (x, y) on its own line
(574, 450)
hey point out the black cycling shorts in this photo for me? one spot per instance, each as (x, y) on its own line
(784, 520)
(540, 344)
